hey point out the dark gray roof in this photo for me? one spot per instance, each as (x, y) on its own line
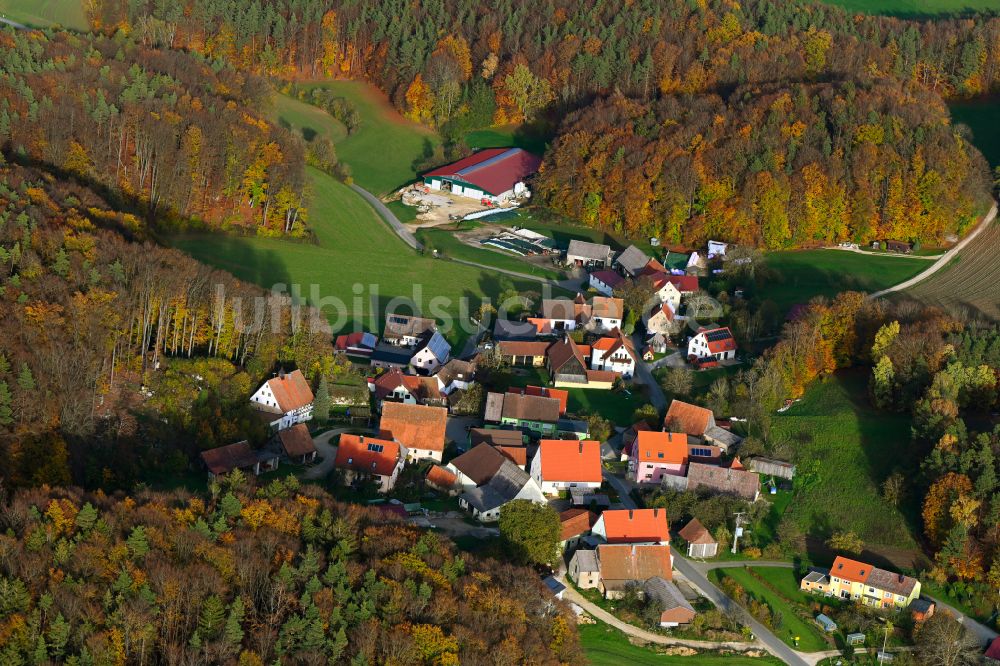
(437, 346)
(505, 329)
(506, 483)
(586, 560)
(553, 584)
(387, 353)
(479, 464)
(632, 260)
(665, 593)
(573, 425)
(585, 497)
(578, 248)
(722, 436)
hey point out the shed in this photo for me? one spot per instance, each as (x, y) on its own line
(772, 467)
(494, 407)
(855, 639)
(826, 623)
(582, 253)
(699, 542)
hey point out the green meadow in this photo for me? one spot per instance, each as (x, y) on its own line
(982, 117)
(45, 13)
(353, 247)
(917, 8)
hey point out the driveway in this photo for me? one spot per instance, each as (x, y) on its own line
(944, 259)
(327, 453)
(643, 375)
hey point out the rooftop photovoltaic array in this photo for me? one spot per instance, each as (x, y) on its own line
(719, 334)
(377, 448)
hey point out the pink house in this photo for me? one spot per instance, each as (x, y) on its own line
(658, 454)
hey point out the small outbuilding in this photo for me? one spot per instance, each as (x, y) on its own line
(700, 542)
(297, 443)
(827, 624)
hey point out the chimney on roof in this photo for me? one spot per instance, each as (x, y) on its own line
(281, 373)
(630, 512)
(633, 550)
(581, 447)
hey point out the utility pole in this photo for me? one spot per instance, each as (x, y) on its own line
(736, 532)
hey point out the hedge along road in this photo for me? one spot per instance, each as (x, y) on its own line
(944, 259)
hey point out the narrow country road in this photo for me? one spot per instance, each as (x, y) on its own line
(13, 24)
(644, 376)
(982, 632)
(944, 259)
(389, 217)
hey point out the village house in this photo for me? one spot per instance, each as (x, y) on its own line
(726, 480)
(360, 458)
(605, 282)
(699, 423)
(575, 523)
(633, 526)
(476, 466)
(674, 608)
(285, 398)
(456, 375)
(631, 261)
(670, 288)
(872, 586)
(657, 454)
(659, 342)
(223, 460)
(494, 174)
(584, 570)
(600, 315)
(407, 330)
(420, 429)
(531, 413)
(442, 479)
(567, 365)
(621, 566)
(358, 344)
(561, 464)
(614, 353)
(713, 344)
(391, 356)
(699, 542)
(629, 436)
(298, 444)
(524, 353)
(496, 437)
(545, 392)
(588, 255)
(432, 353)
(660, 320)
(394, 386)
(507, 484)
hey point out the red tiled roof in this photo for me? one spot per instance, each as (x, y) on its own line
(626, 562)
(523, 347)
(516, 454)
(441, 477)
(726, 342)
(414, 426)
(296, 440)
(695, 532)
(665, 309)
(609, 278)
(684, 283)
(559, 394)
(575, 522)
(668, 448)
(636, 525)
(993, 651)
(851, 570)
(291, 390)
(224, 459)
(570, 460)
(367, 454)
(524, 407)
(605, 376)
(494, 170)
(604, 306)
(423, 388)
(614, 341)
(687, 418)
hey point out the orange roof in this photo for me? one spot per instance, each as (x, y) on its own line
(559, 394)
(441, 477)
(635, 525)
(735, 463)
(291, 390)
(851, 570)
(695, 532)
(626, 563)
(570, 460)
(669, 448)
(414, 426)
(516, 454)
(575, 522)
(367, 454)
(688, 418)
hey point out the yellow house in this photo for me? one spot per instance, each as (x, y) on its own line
(871, 586)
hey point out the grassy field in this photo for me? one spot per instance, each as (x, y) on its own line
(306, 119)
(606, 646)
(857, 448)
(353, 246)
(446, 243)
(44, 13)
(981, 117)
(787, 600)
(916, 8)
(502, 137)
(383, 150)
(803, 274)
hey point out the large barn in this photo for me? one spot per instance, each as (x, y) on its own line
(495, 173)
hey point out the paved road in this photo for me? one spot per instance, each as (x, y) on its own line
(982, 632)
(644, 376)
(14, 24)
(944, 259)
(389, 217)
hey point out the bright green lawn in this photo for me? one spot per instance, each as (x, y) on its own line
(353, 246)
(502, 137)
(981, 117)
(916, 8)
(606, 646)
(306, 119)
(858, 447)
(810, 636)
(803, 274)
(615, 406)
(44, 13)
(446, 243)
(383, 150)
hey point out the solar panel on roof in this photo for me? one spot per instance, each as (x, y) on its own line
(718, 334)
(377, 448)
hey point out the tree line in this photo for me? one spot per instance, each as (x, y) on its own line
(248, 576)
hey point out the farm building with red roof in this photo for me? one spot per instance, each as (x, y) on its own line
(497, 173)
